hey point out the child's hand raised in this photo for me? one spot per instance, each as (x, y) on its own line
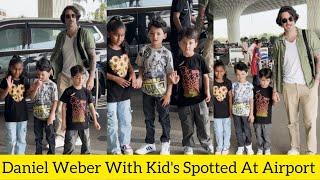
(9, 82)
(174, 77)
(38, 83)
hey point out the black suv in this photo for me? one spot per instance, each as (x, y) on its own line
(32, 38)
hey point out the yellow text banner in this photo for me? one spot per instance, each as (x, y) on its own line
(159, 167)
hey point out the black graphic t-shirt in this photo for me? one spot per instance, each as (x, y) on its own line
(221, 98)
(191, 85)
(117, 65)
(262, 105)
(15, 103)
(77, 101)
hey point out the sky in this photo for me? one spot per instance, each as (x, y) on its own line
(17, 8)
(250, 25)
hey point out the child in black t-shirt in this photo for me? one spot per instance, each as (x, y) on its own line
(263, 111)
(75, 119)
(222, 108)
(193, 93)
(13, 89)
(120, 78)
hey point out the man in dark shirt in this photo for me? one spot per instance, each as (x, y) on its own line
(180, 17)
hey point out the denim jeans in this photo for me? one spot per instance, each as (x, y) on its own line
(39, 126)
(16, 137)
(222, 129)
(118, 125)
(151, 103)
(70, 141)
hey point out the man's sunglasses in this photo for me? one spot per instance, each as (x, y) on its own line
(69, 16)
(284, 20)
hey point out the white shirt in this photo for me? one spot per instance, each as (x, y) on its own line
(69, 57)
(292, 66)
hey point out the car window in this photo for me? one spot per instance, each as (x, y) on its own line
(95, 33)
(11, 39)
(44, 38)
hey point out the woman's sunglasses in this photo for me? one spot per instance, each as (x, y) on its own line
(284, 20)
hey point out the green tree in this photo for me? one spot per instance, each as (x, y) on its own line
(101, 13)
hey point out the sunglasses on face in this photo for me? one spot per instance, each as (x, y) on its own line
(69, 16)
(284, 20)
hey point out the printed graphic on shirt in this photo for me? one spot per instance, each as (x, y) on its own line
(156, 64)
(120, 65)
(242, 93)
(262, 104)
(241, 109)
(78, 109)
(220, 92)
(191, 82)
(16, 92)
(46, 95)
(41, 111)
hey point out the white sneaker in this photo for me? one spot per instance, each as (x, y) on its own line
(59, 141)
(259, 152)
(188, 150)
(209, 149)
(249, 150)
(240, 150)
(267, 152)
(127, 150)
(293, 151)
(225, 152)
(165, 148)
(147, 148)
(218, 152)
(78, 141)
